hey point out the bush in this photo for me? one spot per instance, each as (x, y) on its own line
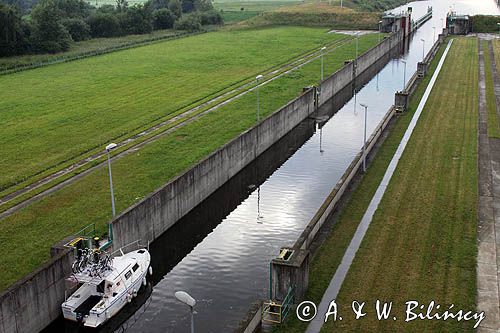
(189, 22)
(485, 23)
(175, 7)
(163, 19)
(49, 35)
(104, 25)
(107, 9)
(136, 20)
(77, 28)
(14, 31)
(211, 17)
(188, 6)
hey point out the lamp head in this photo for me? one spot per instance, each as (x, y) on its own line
(111, 146)
(185, 298)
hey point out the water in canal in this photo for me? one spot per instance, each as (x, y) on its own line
(220, 252)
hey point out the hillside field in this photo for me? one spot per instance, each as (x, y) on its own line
(61, 111)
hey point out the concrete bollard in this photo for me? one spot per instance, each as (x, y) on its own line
(421, 69)
(291, 272)
(401, 101)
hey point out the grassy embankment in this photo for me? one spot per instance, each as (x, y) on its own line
(331, 13)
(421, 243)
(32, 230)
(235, 10)
(355, 14)
(89, 108)
(316, 15)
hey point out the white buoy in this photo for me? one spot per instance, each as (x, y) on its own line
(150, 270)
(144, 282)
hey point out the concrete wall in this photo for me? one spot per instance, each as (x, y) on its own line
(375, 53)
(33, 302)
(154, 215)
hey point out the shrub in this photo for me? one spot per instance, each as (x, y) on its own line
(104, 25)
(211, 17)
(163, 18)
(136, 20)
(175, 7)
(49, 35)
(189, 22)
(77, 28)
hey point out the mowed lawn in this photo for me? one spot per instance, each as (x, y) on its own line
(53, 114)
(35, 228)
(421, 244)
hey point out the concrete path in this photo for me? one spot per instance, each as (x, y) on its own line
(339, 276)
(488, 258)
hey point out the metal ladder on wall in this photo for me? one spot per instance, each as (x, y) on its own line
(275, 311)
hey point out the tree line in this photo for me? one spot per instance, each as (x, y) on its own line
(51, 25)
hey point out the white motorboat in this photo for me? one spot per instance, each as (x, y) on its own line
(107, 285)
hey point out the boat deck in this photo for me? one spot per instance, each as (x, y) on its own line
(88, 304)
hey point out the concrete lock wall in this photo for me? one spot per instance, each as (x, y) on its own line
(154, 215)
(367, 59)
(33, 302)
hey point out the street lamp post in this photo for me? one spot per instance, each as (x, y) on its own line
(434, 35)
(322, 63)
(442, 23)
(364, 138)
(404, 75)
(357, 46)
(257, 78)
(379, 30)
(423, 48)
(185, 298)
(109, 148)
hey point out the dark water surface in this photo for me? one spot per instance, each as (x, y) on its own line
(220, 252)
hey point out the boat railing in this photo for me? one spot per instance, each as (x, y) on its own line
(135, 245)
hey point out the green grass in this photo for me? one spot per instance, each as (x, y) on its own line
(421, 244)
(253, 6)
(491, 103)
(237, 16)
(62, 111)
(32, 230)
(78, 48)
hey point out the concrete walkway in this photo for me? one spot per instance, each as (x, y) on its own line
(339, 276)
(488, 259)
